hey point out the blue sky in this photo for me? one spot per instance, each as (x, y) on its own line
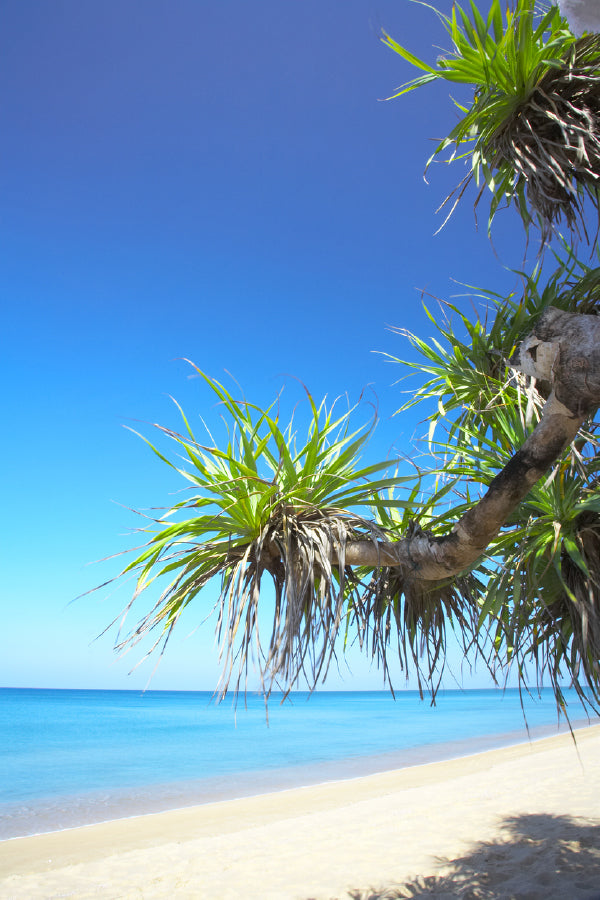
(218, 181)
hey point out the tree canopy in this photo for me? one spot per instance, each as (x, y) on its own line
(497, 538)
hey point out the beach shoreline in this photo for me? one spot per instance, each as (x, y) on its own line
(259, 846)
(64, 813)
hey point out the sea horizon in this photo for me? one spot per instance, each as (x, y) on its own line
(78, 756)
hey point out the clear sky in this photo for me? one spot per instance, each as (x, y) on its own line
(213, 180)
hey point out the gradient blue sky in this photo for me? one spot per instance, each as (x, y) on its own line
(213, 180)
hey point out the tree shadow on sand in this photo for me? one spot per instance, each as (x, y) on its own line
(541, 857)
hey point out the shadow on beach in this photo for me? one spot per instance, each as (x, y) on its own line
(540, 857)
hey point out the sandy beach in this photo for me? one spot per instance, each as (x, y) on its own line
(519, 822)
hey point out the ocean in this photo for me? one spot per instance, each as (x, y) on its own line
(75, 757)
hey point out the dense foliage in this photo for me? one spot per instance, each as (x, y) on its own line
(530, 132)
(537, 588)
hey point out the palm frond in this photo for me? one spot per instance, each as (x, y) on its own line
(537, 588)
(263, 505)
(532, 130)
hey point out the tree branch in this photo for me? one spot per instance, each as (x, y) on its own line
(564, 349)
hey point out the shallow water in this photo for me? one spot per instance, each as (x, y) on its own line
(75, 757)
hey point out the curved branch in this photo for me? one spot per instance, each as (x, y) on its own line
(563, 348)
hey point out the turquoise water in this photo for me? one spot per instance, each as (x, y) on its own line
(72, 757)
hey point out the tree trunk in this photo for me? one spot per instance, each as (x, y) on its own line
(563, 349)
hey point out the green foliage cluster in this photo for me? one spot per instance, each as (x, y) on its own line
(537, 588)
(530, 133)
(264, 503)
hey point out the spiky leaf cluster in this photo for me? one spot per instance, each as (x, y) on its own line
(263, 505)
(531, 132)
(538, 586)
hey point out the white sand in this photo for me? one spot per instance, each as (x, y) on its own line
(522, 822)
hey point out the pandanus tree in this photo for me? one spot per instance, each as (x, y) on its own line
(499, 538)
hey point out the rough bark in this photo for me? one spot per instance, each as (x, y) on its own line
(563, 349)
